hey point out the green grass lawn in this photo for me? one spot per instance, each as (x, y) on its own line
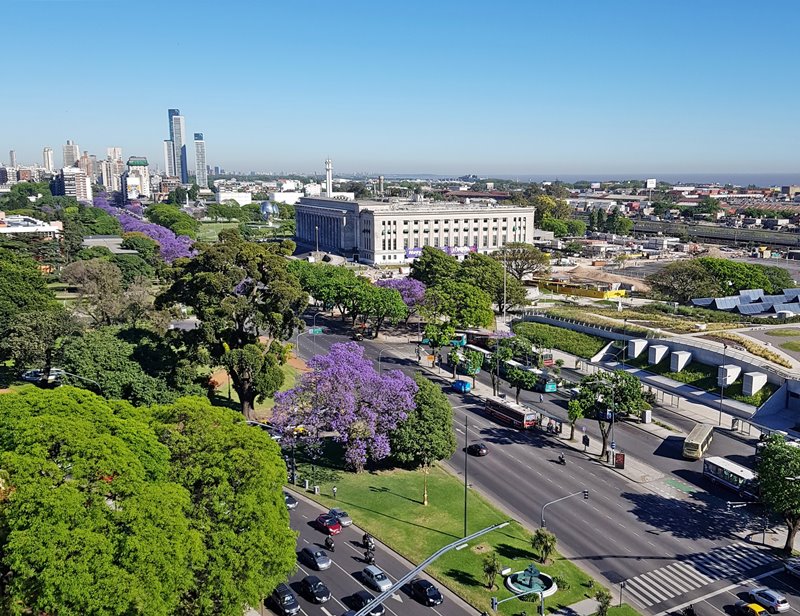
(388, 504)
(792, 345)
(704, 377)
(783, 332)
(209, 230)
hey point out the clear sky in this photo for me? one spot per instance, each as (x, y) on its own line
(435, 86)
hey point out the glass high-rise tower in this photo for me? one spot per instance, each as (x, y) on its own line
(177, 137)
(200, 168)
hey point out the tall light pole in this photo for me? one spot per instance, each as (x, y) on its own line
(624, 342)
(316, 234)
(466, 462)
(505, 276)
(379, 361)
(724, 378)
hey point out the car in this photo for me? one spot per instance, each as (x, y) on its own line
(375, 577)
(36, 376)
(284, 601)
(328, 524)
(771, 599)
(291, 501)
(744, 608)
(792, 566)
(478, 449)
(317, 558)
(461, 386)
(313, 588)
(363, 598)
(425, 592)
(341, 515)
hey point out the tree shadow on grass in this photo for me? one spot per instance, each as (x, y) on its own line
(385, 490)
(217, 399)
(513, 552)
(359, 506)
(464, 577)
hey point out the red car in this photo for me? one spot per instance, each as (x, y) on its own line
(328, 524)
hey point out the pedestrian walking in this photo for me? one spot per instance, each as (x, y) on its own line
(334, 492)
(541, 398)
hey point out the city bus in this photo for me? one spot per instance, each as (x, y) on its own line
(731, 475)
(486, 354)
(695, 445)
(511, 413)
(545, 384)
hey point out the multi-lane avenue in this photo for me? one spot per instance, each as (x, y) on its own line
(669, 540)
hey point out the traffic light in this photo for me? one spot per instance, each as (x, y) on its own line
(729, 506)
(586, 495)
(494, 604)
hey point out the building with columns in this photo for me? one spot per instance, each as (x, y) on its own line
(394, 231)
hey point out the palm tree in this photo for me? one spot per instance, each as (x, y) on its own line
(543, 542)
(603, 598)
(491, 569)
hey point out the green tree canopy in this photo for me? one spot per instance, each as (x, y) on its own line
(171, 217)
(557, 227)
(240, 291)
(33, 338)
(523, 260)
(487, 274)
(434, 267)
(462, 304)
(680, 281)
(382, 304)
(22, 287)
(778, 471)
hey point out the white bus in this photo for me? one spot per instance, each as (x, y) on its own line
(731, 475)
(695, 445)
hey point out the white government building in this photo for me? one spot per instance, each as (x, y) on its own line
(393, 231)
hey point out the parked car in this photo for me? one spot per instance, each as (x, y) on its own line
(315, 557)
(745, 608)
(792, 566)
(291, 501)
(35, 376)
(341, 515)
(313, 588)
(425, 592)
(363, 598)
(284, 601)
(770, 599)
(375, 577)
(478, 449)
(328, 524)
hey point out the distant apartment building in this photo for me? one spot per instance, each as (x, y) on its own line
(47, 160)
(136, 179)
(24, 175)
(8, 175)
(88, 163)
(26, 226)
(242, 198)
(111, 169)
(12, 158)
(72, 182)
(383, 232)
(200, 160)
(71, 154)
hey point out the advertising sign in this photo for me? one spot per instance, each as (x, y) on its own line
(650, 183)
(619, 460)
(595, 185)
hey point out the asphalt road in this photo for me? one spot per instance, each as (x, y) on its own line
(343, 579)
(723, 602)
(625, 529)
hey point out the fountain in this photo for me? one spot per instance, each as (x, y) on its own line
(530, 581)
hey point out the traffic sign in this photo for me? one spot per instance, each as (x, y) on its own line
(315, 330)
(613, 444)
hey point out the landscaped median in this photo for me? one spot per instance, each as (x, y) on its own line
(388, 504)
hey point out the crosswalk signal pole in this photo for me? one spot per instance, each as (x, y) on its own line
(621, 588)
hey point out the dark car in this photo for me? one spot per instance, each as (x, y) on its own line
(328, 524)
(284, 601)
(426, 593)
(317, 558)
(477, 449)
(363, 598)
(313, 588)
(291, 501)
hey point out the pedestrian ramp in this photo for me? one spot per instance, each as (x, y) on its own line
(680, 578)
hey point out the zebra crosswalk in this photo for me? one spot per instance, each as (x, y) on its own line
(695, 571)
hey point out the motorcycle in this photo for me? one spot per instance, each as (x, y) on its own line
(369, 557)
(688, 611)
(562, 459)
(330, 545)
(369, 542)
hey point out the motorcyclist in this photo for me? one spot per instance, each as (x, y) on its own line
(369, 543)
(689, 611)
(329, 544)
(562, 459)
(369, 557)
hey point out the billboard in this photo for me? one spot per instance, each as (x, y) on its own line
(414, 253)
(650, 183)
(595, 185)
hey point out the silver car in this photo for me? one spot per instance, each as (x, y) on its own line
(792, 566)
(768, 598)
(375, 577)
(341, 515)
(317, 558)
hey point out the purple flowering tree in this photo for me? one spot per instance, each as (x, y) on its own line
(411, 291)
(344, 394)
(171, 246)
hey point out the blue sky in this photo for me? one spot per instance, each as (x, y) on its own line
(522, 87)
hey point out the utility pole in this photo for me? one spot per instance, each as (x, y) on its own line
(466, 463)
(722, 385)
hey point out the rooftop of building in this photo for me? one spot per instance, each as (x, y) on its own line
(138, 161)
(407, 205)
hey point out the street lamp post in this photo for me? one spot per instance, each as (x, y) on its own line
(379, 361)
(297, 341)
(466, 462)
(624, 342)
(316, 235)
(724, 378)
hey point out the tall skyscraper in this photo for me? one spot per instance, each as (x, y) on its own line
(71, 154)
(12, 158)
(47, 160)
(169, 158)
(178, 137)
(114, 153)
(200, 161)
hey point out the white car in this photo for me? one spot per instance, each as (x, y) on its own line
(768, 598)
(792, 566)
(375, 577)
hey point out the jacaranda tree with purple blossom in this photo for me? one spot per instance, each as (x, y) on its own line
(412, 292)
(171, 246)
(344, 394)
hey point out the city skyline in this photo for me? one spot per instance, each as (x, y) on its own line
(615, 90)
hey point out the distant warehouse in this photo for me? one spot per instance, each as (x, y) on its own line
(384, 232)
